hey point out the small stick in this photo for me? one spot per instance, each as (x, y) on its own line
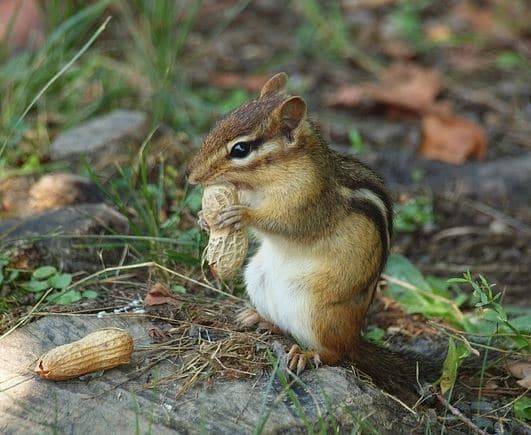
(460, 415)
(493, 213)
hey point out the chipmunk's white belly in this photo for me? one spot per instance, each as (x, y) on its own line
(275, 284)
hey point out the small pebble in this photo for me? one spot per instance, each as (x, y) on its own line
(483, 423)
(92, 375)
(498, 227)
(481, 406)
(101, 314)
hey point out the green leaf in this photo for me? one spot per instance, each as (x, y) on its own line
(439, 286)
(356, 141)
(60, 281)
(522, 324)
(414, 214)
(90, 294)
(375, 335)
(35, 286)
(510, 60)
(13, 275)
(178, 288)
(521, 343)
(501, 312)
(522, 408)
(454, 357)
(400, 267)
(44, 272)
(67, 298)
(418, 297)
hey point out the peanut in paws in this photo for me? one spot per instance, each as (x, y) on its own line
(228, 243)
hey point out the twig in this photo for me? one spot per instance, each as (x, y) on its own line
(493, 213)
(396, 399)
(460, 415)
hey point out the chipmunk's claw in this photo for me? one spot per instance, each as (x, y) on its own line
(298, 359)
(233, 216)
(202, 221)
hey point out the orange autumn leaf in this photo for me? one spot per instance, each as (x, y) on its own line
(160, 294)
(408, 86)
(21, 24)
(451, 139)
(481, 19)
(404, 86)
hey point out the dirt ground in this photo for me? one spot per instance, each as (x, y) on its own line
(433, 95)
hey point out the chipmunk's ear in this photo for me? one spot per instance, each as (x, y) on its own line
(275, 84)
(291, 113)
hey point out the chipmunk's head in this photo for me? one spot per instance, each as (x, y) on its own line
(244, 145)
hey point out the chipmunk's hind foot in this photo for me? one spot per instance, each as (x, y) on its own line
(249, 317)
(298, 359)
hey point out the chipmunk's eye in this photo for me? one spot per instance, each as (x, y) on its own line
(240, 150)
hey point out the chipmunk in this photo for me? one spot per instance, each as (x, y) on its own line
(324, 222)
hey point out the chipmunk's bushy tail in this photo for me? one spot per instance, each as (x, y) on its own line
(401, 373)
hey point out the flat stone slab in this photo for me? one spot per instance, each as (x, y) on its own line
(101, 137)
(53, 236)
(119, 401)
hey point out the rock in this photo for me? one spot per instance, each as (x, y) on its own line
(21, 196)
(101, 139)
(119, 399)
(14, 195)
(504, 180)
(61, 189)
(38, 236)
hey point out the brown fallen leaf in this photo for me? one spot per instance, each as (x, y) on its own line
(469, 59)
(21, 24)
(160, 294)
(410, 89)
(157, 334)
(522, 371)
(451, 139)
(405, 86)
(252, 83)
(481, 19)
(347, 96)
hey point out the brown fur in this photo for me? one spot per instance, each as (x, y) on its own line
(306, 193)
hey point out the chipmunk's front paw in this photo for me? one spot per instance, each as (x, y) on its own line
(298, 359)
(235, 216)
